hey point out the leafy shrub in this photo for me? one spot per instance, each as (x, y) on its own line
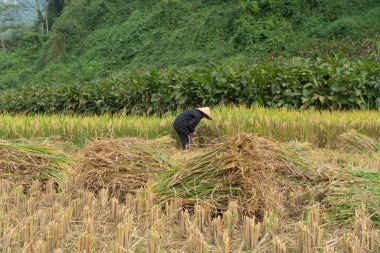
(331, 83)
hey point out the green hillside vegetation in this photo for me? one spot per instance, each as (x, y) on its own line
(94, 39)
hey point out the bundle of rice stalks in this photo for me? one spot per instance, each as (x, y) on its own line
(299, 147)
(258, 173)
(123, 165)
(355, 142)
(354, 189)
(24, 163)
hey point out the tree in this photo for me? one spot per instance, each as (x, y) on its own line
(47, 11)
(41, 7)
(7, 22)
(55, 9)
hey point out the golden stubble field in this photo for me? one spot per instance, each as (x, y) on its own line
(243, 193)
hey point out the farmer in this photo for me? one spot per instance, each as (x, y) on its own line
(186, 122)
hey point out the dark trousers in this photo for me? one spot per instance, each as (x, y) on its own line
(185, 139)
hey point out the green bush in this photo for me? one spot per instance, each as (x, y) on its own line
(331, 83)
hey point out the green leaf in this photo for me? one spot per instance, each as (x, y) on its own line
(322, 99)
(182, 100)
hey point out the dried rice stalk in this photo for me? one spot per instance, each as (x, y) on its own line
(348, 193)
(252, 233)
(352, 244)
(24, 163)
(226, 243)
(124, 233)
(355, 142)
(122, 165)
(197, 242)
(314, 222)
(304, 238)
(216, 230)
(279, 246)
(84, 244)
(245, 169)
(329, 249)
(154, 243)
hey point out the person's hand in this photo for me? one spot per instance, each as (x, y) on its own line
(194, 134)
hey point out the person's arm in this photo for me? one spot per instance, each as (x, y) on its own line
(196, 118)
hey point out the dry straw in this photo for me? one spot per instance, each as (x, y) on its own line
(84, 243)
(226, 242)
(252, 233)
(124, 235)
(279, 246)
(354, 142)
(154, 243)
(351, 189)
(122, 165)
(244, 169)
(93, 227)
(24, 163)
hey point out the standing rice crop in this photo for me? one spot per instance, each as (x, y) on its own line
(320, 128)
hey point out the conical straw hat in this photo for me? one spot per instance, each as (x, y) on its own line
(206, 111)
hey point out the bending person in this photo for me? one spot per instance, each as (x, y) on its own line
(186, 122)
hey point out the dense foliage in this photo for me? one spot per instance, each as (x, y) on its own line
(91, 39)
(329, 83)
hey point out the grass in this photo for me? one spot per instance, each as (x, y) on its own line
(320, 128)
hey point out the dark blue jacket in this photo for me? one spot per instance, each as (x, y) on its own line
(187, 121)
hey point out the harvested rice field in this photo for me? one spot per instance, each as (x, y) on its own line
(241, 192)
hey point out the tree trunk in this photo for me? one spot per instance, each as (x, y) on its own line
(3, 45)
(47, 17)
(47, 23)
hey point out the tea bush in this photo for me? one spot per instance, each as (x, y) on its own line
(329, 83)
